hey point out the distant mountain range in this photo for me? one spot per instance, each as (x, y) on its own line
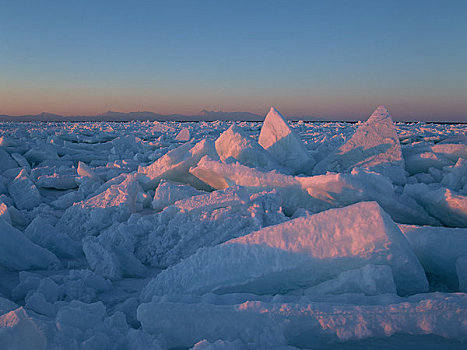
(204, 115)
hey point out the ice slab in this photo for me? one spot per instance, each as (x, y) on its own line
(41, 232)
(57, 181)
(18, 253)
(368, 280)
(174, 165)
(374, 146)
(284, 144)
(301, 252)
(452, 151)
(24, 192)
(456, 177)
(116, 203)
(6, 162)
(111, 261)
(235, 144)
(168, 193)
(315, 193)
(19, 331)
(304, 322)
(183, 135)
(422, 162)
(447, 206)
(200, 221)
(461, 269)
(438, 249)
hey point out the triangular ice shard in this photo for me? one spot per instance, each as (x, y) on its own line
(374, 146)
(285, 146)
(234, 143)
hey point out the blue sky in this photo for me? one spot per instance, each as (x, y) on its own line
(331, 59)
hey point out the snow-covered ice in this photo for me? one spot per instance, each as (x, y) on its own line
(222, 235)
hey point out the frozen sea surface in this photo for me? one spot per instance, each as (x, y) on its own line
(223, 235)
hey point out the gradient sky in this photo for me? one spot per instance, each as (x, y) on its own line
(330, 59)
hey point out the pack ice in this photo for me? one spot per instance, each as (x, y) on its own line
(223, 235)
(374, 146)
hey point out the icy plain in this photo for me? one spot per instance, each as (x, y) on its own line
(223, 235)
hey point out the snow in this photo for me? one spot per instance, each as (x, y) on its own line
(223, 235)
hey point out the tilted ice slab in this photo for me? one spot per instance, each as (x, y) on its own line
(24, 192)
(368, 280)
(303, 322)
(233, 143)
(438, 249)
(447, 206)
(297, 254)
(17, 252)
(284, 144)
(116, 203)
(19, 331)
(181, 229)
(6, 162)
(168, 193)
(41, 232)
(174, 165)
(315, 193)
(374, 146)
(183, 135)
(461, 269)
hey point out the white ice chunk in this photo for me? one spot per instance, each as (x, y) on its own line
(437, 248)
(22, 162)
(57, 181)
(234, 143)
(6, 162)
(168, 193)
(41, 153)
(24, 192)
(456, 178)
(422, 162)
(116, 203)
(19, 253)
(447, 206)
(200, 221)
(109, 261)
(374, 146)
(283, 143)
(451, 151)
(175, 164)
(301, 252)
(183, 135)
(85, 170)
(369, 280)
(45, 235)
(461, 269)
(315, 193)
(4, 214)
(19, 331)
